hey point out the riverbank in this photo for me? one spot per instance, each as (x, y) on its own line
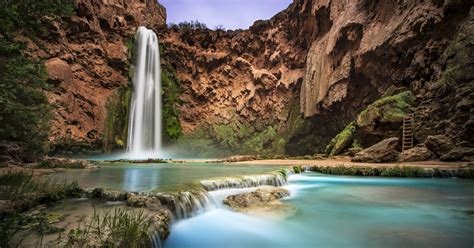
(346, 161)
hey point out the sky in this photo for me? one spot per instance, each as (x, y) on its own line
(232, 14)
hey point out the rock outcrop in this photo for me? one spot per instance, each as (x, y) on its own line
(286, 85)
(256, 198)
(263, 201)
(86, 57)
(417, 153)
(384, 151)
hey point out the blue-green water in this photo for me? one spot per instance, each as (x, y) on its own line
(335, 211)
(146, 177)
(332, 211)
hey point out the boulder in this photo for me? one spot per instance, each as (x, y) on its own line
(245, 201)
(439, 144)
(384, 151)
(459, 153)
(418, 153)
(13, 152)
(59, 71)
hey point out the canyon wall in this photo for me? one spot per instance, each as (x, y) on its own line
(307, 72)
(87, 59)
(284, 86)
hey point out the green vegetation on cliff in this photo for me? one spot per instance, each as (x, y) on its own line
(239, 136)
(25, 112)
(342, 140)
(389, 109)
(171, 92)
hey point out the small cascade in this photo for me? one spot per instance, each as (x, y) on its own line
(244, 182)
(186, 204)
(156, 240)
(144, 128)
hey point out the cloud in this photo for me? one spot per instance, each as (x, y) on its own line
(232, 14)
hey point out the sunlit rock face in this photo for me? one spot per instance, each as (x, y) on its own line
(331, 57)
(86, 58)
(244, 75)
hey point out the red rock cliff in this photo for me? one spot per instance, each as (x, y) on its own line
(335, 56)
(86, 59)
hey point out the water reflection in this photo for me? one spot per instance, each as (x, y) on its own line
(140, 180)
(147, 177)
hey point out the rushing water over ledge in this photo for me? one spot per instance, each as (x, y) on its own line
(273, 179)
(341, 211)
(144, 130)
(331, 211)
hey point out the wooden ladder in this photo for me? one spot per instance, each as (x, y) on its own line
(407, 138)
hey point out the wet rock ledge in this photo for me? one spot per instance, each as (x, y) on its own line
(256, 198)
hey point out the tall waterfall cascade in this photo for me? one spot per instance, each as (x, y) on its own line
(144, 128)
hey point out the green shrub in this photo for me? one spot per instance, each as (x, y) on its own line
(283, 172)
(19, 186)
(297, 169)
(188, 25)
(117, 228)
(25, 114)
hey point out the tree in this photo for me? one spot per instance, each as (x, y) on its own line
(24, 109)
(219, 27)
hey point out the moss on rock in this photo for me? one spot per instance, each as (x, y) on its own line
(342, 140)
(387, 109)
(380, 119)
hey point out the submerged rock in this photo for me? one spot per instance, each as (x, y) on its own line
(384, 151)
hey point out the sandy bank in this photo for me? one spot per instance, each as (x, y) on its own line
(346, 161)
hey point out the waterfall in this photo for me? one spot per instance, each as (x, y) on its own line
(144, 129)
(186, 204)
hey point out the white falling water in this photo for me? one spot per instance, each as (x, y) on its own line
(144, 130)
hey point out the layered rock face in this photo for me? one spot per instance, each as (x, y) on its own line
(86, 60)
(337, 57)
(239, 76)
(286, 85)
